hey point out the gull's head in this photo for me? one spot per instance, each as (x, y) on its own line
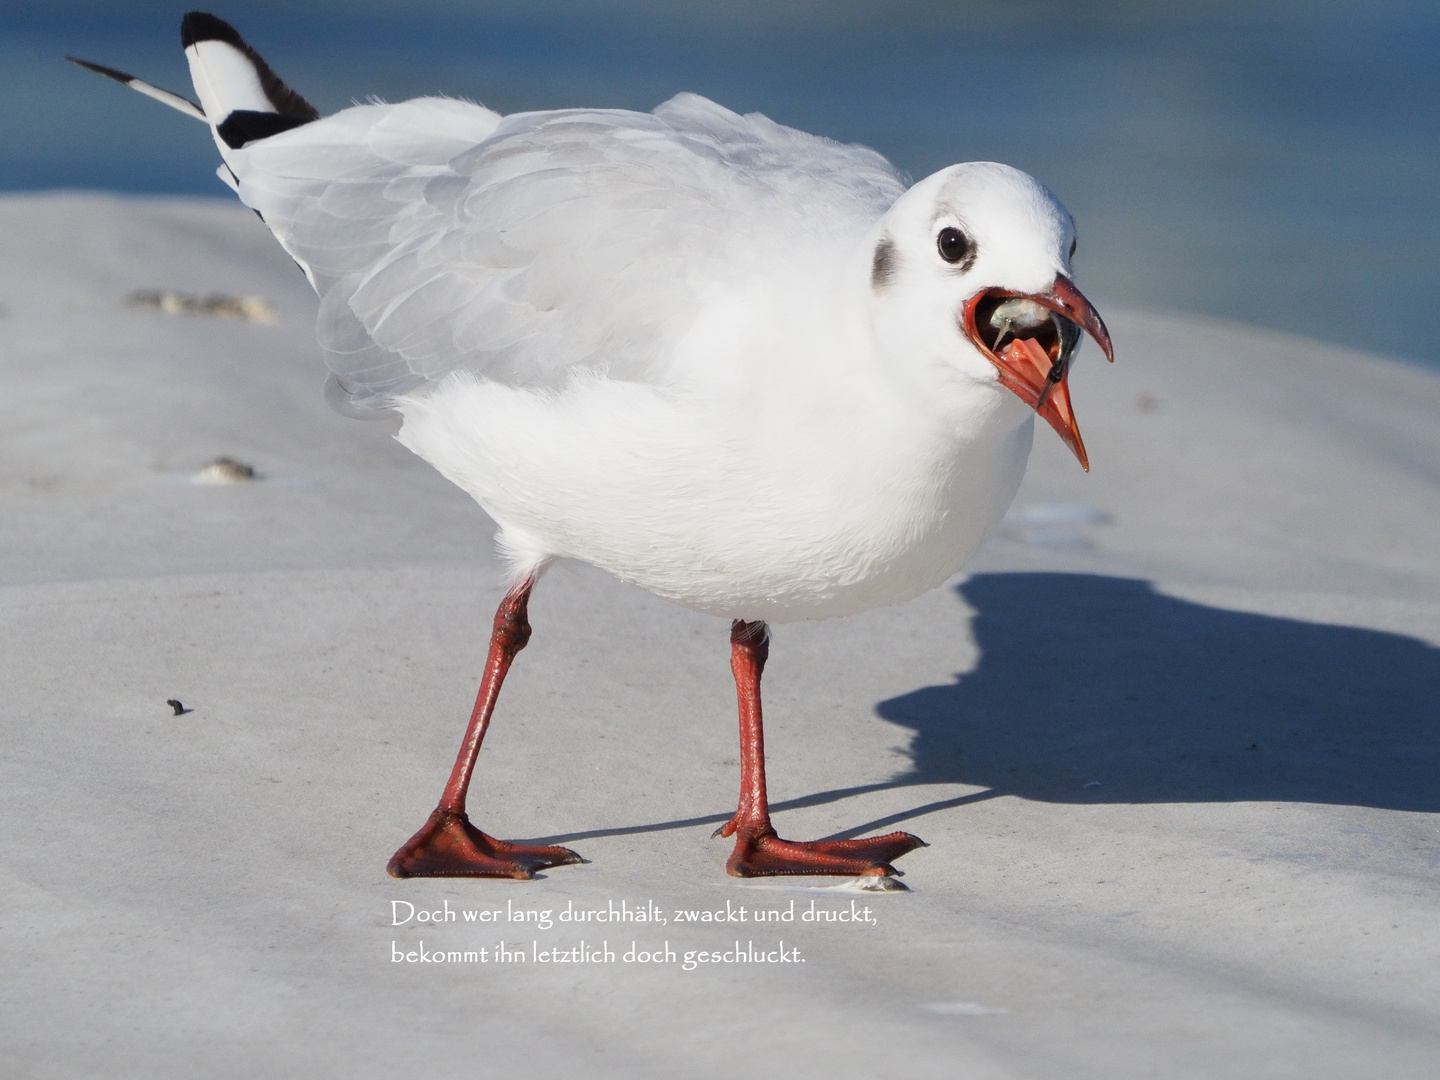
(972, 266)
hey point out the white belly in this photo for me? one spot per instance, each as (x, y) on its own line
(768, 518)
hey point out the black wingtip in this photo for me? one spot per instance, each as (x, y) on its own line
(243, 126)
(202, 26)
(199, 26)
(101, 69)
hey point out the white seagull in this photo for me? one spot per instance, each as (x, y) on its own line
(740, 366)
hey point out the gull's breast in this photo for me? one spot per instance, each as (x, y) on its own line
(738, 514)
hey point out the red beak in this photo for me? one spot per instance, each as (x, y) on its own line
(1034, 361)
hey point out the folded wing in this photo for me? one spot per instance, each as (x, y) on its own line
(443, 238)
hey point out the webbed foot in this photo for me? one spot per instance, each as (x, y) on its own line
(449, 846)
(764, 854)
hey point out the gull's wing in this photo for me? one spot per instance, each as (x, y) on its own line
(444, 238)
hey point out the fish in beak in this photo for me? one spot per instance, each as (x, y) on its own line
(1031, 339)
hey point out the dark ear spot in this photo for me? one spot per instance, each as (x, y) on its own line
(882, 270)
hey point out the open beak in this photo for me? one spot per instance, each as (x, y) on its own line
(1031, 338)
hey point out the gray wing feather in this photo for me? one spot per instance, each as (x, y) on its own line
(442, 238)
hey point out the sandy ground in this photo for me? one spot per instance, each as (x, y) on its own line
(1172, 740)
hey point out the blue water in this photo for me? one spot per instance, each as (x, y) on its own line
(1272, 163)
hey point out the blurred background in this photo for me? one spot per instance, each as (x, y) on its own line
(1273, 163)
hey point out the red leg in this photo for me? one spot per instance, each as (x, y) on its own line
(758, 851)
(448, 845)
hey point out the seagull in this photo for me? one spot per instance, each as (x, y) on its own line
(740, 366)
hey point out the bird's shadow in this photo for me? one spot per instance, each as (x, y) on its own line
(1099, 689)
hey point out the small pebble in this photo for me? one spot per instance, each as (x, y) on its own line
(225, 470)
(217, 305)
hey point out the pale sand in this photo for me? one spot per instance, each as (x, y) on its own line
(1117, 884)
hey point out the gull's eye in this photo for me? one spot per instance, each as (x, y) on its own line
(954, 245)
